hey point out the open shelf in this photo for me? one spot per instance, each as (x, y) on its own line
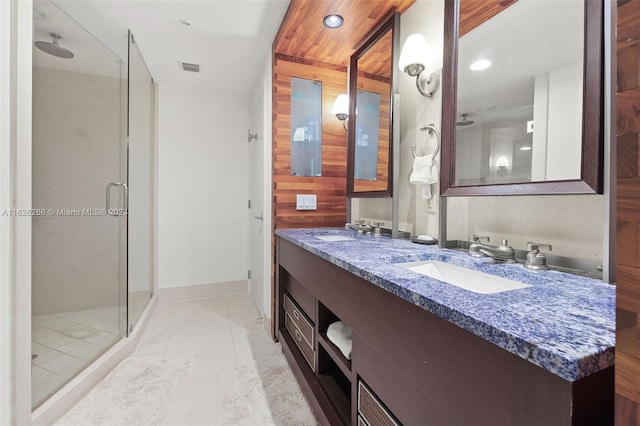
(343, 363)
(338, 390)
(335, 381)
(325, 392)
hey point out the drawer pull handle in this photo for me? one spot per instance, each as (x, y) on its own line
(296, 314)
(298, 336)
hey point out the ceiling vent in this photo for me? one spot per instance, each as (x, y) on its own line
(190, 67)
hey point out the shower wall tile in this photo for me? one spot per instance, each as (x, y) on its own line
(76, 258)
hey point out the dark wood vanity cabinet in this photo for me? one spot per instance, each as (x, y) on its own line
(411, 367)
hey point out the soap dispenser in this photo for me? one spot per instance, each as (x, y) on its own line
(535, 259)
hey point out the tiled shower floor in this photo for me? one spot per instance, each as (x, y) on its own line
(65, 342)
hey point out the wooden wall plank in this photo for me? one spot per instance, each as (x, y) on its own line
(628, 376)
(628, 214)
(628, 159)
(626, 412)
(628, 112)
(627, 290)
(627, 243)
(627, 60)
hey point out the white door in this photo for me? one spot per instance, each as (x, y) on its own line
(256, 211)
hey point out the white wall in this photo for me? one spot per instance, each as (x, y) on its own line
(202, 189)
(6, 289)
(427, 18)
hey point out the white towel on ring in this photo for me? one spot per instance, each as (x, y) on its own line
(421, 172)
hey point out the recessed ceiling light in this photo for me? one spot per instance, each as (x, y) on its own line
(333, 21)
(480, 64)
(525, 148)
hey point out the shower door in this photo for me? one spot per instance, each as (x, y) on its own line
(79, 223)
(141, 154)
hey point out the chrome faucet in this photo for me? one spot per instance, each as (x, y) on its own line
(360, 227)
(476, 245)
(502, 253)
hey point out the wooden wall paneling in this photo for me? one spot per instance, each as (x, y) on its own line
(303, 35)
(628, 214)
(474, 12)
(330, 188)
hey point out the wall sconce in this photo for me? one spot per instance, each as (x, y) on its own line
(415, 56)
(502, 162)
(341, 109)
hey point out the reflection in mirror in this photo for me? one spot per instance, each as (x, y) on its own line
(523, 105)
(520, 97)
(371, 86)
(306, 127)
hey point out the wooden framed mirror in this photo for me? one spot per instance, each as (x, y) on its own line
(531, 122)
(372, 84)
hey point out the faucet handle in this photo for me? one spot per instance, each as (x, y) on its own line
(476, 238)
(537, 246)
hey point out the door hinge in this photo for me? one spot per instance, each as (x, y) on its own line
(249, 203)
(249, 274)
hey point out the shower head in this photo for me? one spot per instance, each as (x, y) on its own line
(464, 121)
(54, 48)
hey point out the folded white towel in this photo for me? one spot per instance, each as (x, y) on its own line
(340, 335)
(421, 172)
(298, 135)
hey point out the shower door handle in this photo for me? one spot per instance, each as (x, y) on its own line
(125, 208)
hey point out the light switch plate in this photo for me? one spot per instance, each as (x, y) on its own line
(306, 202)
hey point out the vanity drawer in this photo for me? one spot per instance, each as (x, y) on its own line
(299, 318)
(371, 410)
(303, 345)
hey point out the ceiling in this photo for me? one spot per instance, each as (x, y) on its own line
(229, 39)
(302, 34)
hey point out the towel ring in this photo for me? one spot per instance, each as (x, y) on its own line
(431, 129)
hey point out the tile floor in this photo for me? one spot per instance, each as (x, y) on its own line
(222, 333)
(65, 343)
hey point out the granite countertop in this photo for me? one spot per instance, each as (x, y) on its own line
(563, 323)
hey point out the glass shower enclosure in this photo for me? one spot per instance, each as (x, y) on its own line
(92, 194)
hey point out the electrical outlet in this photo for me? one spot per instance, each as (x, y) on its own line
(306, 202)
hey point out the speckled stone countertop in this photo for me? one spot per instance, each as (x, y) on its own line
(563, 323)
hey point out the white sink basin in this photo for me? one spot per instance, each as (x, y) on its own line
(334, 238)
(468, 279)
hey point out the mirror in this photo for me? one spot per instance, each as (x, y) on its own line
(371, 87)
(306, 127)
(522, 107)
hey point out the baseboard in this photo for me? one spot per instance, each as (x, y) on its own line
(71, 393)
(199, 291)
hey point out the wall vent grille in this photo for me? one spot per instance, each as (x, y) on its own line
(190, 67)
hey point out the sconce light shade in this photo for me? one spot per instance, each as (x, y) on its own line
(502, 162)
(415, 57)
(341, 107)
